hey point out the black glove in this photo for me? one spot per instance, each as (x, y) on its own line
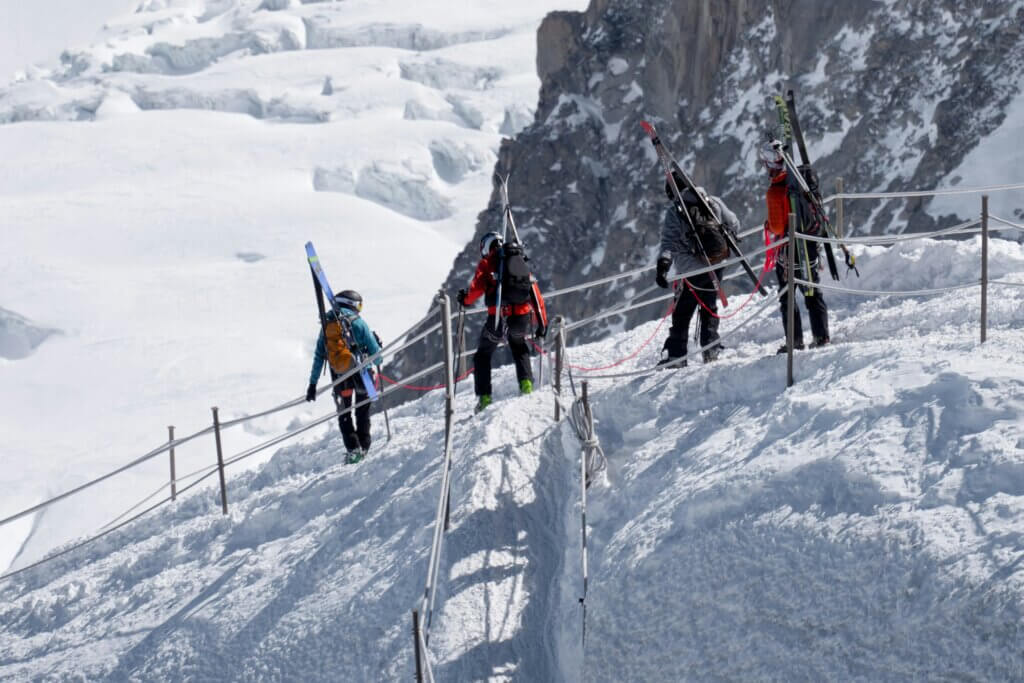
(311, 392)
(541, 332)
(664, 264)
(810, 177)
(461, 297)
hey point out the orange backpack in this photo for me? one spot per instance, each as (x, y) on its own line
(339, 355)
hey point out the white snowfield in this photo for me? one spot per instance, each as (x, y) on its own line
(156, 191)
(863, 525)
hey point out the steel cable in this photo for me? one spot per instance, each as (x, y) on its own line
(862, 292)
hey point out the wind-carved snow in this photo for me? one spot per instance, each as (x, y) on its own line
(404, 188)
(19, 337)
(862, 524)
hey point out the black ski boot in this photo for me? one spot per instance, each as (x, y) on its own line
(819, 342)
(672, 363)
(785, 348)
(712, 354)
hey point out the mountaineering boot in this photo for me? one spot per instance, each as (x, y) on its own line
(525, 386)
(711, 355)
(799, 346)
(354, 456)
(483, 402)
(675, 361)
(819, 342)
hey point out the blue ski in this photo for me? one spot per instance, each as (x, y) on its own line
(346, 328)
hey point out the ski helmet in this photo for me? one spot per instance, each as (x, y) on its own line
(488, 242)
(350, 299)
(695, 200)
(771, 156)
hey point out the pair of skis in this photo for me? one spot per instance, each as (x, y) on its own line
(507, 222)
(669, 165)
(791, 131)
(322, 287)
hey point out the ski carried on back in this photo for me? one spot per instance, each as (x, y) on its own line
(508, 222)
(669, 165)
(809, 184)
(323, 287)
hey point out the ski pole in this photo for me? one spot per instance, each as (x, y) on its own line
(387, 422)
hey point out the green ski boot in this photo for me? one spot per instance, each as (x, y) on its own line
(485, 400)
(353, 457)
(525, 386)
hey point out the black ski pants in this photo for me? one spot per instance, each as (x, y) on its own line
(686, 304)
(514, 328)
(814, 300)
(356, 436)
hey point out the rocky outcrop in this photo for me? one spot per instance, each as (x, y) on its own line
(892, 95)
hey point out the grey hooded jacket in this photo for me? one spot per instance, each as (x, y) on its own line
(675, 238)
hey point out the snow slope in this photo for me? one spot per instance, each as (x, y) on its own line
(862, 525)
(156, 190)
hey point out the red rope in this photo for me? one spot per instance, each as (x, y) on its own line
(714, 314)
(414, 387)
(617, 363)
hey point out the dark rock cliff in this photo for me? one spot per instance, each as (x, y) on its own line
(892, 95)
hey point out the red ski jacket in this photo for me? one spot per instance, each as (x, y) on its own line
(485, 284)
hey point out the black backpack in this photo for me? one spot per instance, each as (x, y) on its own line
(516, 283)
(708, 233)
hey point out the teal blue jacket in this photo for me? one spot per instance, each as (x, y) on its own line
(365, 341)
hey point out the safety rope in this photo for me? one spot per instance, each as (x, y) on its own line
(920, 193)
(750, 297)
(415, 387)
(1007, 223)
(619, 362)
(658, 368)
(863, 292)
(879, 240)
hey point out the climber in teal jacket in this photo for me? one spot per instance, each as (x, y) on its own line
(351, 392)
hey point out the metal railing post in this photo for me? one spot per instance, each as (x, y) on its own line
(416, 645)
(559, 360)
(984, 267)
(220, 462)
(449, 388)
(174, 479)
(584, 484)
(839, 207)
(540, 366)
(791, 299)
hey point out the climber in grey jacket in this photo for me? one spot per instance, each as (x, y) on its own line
(681, 242)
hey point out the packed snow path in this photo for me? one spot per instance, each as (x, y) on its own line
(862, 525)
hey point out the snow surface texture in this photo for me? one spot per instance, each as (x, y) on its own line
(157, 186)
(860, 526)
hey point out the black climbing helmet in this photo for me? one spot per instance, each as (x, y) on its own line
(350, 299)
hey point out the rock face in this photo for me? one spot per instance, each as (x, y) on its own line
(892, 94)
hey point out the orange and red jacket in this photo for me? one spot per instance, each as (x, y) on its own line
(777, 199)
(485, 284)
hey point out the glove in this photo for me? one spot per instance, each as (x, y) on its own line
(664, 264)
(311, 392)
(810, 177)
(541, 332)
(461, 297)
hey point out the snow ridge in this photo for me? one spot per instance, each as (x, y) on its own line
(859, 526)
